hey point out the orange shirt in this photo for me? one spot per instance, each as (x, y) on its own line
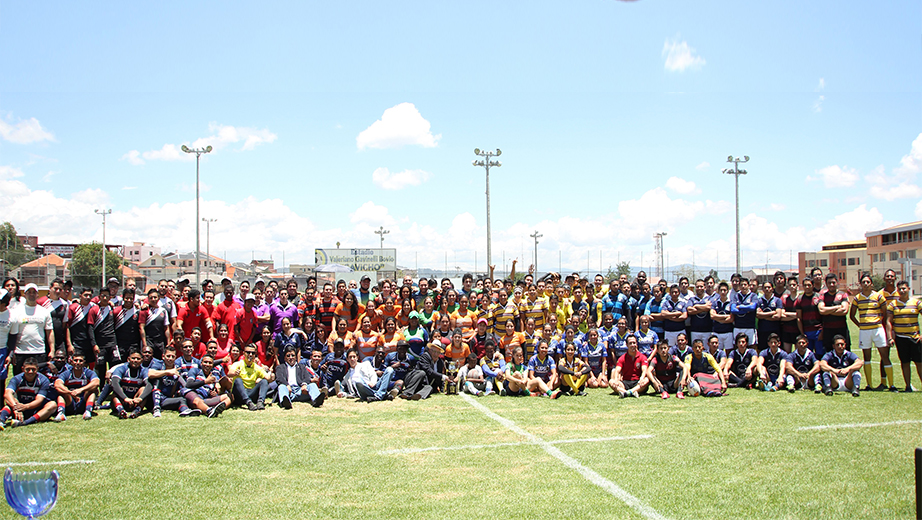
(343, 313)
(390, 342)
(458, 355)
(508, 344)
(466, 322)
(367, 344)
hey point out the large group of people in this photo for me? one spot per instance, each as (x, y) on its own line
(200, 350)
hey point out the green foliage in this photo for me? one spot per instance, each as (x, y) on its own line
(614, 274)
(11, 249)
(86, 268)
(878, 281)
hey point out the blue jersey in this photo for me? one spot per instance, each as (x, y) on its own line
(700, 322)
(130, 380)
(680, 354)
(770, 304)
(671, 306)
(836, 361)
(772, 362)
(802, 363)
(654, 307)
(744, 306)
(542, 369)
(74, 381)
(595, 355)
(184, 366)
(27, 392)
(718, 356)
(401, 370)
(617, 343)
(336, 367)
(168, 385)
(646, 341)
(722, 308)
(739, 362)
(205, 390)
(155, 364)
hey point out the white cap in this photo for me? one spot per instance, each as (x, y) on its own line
(30, 286)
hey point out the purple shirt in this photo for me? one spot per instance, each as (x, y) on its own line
(277, 314)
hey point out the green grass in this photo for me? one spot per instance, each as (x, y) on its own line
(738, 456)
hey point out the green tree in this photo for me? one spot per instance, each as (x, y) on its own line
(11, 249)
(878, 281)
(623, 268)
(86, 267)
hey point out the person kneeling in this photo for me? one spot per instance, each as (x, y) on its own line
(295, 382)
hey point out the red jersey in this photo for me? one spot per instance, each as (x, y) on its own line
(198, 318)
(248, 323)
(632, 367)
(226, 313)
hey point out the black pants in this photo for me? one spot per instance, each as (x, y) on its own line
(417, 382)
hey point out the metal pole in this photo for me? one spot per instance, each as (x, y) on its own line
(198, 248)
(489, 242)
(736, 179)
(101, 287)
(536, 236)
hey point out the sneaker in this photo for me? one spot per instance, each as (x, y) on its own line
(60, 418)
(393, 393)
(760, 385)
(827, 390)
(318, 402)
(337, 388)
(855, 393)
(894, 389)
(15, 423)
(881, 387)
(87, 416)
(665, 394)
(123, 414)
(216, 410)
(416, 397)
(186, 412)
(261, 405)
(622, 395)
(104, 406)
(325, 391)
(556, 394)
(817, 390)
(251, 406)
(2, 426)
(908, 389)
(285, 402)
(502, 392)
(156, 413)
(791, 388)
(867, 388)
(770, 387)
(372, 399)
(680, 395)
(582, 393)
(135, 414)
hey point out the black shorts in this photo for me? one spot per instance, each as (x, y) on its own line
(19, 359)
(909, 350)
(829, 334)
(670, 386)
(629, 384)
(89, 353)
(789, 337)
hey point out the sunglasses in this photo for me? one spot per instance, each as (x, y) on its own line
(250, 353)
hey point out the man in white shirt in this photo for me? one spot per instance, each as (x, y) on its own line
(362, 380)
(295, 383)
(36, 331)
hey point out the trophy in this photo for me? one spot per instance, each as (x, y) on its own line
(451, 384)
(31, 494)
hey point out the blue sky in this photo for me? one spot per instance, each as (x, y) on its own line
(615, 119)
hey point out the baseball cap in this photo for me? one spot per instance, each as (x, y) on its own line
(226, 279)
(30, 286)
(249, 297)
(113, 280)
(339, 342)
(413, 314)
(482, 320)
(400, 344)
(365, 278)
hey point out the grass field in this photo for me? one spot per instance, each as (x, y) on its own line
(738, 456)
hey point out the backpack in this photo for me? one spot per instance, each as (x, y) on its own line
(710, 384)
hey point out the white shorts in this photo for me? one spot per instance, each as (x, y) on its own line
(726, 340)
(672, 336)
(750, 333)
(872, 337)
(703, 336)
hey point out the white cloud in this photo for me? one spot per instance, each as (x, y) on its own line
(836, 177)
(919, 209)
(703, 166)
(400, 125)
(821, 85)
(777, 207)
(682, 186)
(128, 188)
(372, 214)
(384, 178)
(899, 191)
(679, 56)
(760, 234)
(24, 132)
(818, 104)
(92, 196)
(47, 177)
(8, 172)
(190, 187)
(221, 137)
(911, 163)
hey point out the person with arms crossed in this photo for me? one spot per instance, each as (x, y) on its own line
(904, 331)
(722, 318)
(833, 307)
(868, 312)
(9, 332)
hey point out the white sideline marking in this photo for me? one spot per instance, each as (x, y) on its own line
(590, 475)
(59, 463)
(853, 425)
(404, 451)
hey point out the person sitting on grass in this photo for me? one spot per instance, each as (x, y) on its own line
(425, 377)
(26, 397)
(515, 376)
(493, 365)
(542, 373)
(573, 371)
(131, 386)
(713, 348)
(841, 369)
(771, 364)
(203, 388)
(628, 379)
(295, 383)
(76, 387)
(665, 371)
(334, 367)
(363, 382)
(471, 377)
(251, 380)
(802, 371)
(401, 362)
(167, 392)
(740, 370)
(702, 373)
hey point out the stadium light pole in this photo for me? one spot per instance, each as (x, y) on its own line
(208, 222)
(103, 212)
(736, 172)
(536, 236)
(198, 249)
(486, 163)
(381, 232)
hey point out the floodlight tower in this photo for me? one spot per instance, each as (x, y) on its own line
(198, 250)
(736, 172)
(486, 163)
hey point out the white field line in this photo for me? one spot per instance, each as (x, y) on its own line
(590, 475)
(404, 451)
(58, 463)
(853, 425)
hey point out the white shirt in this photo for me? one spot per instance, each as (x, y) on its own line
(292, 375)
(34, 321)
(362, 373)
(8, 325)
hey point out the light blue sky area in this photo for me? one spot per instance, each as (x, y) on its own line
(596, 108)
